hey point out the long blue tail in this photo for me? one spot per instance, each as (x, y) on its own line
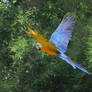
(73, 64)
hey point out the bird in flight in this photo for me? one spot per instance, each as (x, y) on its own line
(58, 42)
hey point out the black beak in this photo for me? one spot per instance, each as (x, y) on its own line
(37, 47)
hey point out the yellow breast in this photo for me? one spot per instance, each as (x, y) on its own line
(48, 50)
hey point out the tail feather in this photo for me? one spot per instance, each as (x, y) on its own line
(73, 64)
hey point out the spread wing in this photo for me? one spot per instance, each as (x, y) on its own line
(41, 39)
(63, 33)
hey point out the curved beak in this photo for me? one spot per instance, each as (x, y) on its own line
(37, 47)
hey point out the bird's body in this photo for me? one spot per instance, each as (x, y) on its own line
(46, 46)
(57, 45)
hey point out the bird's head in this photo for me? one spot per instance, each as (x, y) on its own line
(38, 46)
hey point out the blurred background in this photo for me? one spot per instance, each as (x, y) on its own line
(25, 69)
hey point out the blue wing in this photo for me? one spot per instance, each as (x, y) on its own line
(63, 33)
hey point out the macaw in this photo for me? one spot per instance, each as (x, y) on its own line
(57, 45)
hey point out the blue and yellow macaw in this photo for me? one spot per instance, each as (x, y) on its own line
(57, 45)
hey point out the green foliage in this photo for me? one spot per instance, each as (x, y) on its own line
(23, 68)
(89, 42)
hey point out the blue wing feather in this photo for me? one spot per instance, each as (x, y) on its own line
(63, 33)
